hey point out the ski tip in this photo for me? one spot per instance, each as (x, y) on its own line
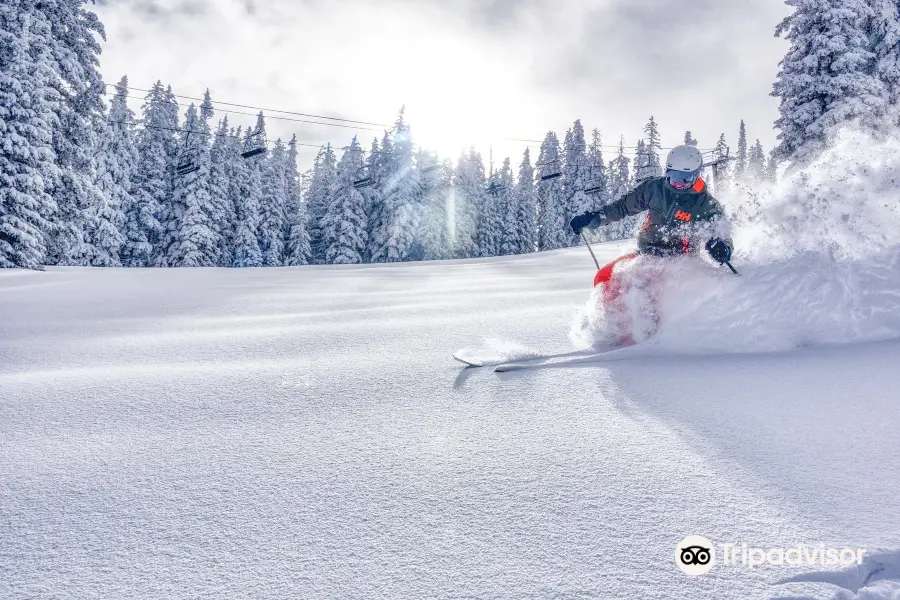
(469, 363)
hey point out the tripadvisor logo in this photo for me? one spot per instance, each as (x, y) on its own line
(696, 555)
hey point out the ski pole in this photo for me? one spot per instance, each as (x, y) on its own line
(733, 270)
(588, 244)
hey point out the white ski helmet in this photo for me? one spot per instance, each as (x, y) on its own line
(683, 166)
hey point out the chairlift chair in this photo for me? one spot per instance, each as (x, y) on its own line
(594, 186)
(715, 162)
(258, 139)
(362, 178)
(187, 162)
(550, 170)
(495, 188)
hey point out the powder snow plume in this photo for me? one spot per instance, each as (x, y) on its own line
(819, 256)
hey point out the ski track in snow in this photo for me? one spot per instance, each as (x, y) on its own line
(304, 433)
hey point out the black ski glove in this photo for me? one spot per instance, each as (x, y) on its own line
(588, 220)
(719, 249)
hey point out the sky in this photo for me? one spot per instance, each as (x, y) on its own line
(487, 73)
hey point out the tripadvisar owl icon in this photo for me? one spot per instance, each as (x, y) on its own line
(695, 555)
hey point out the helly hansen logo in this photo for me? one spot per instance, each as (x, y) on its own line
(683, 216)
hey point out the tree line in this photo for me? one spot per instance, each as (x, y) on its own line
(87, 184)
(159, 190)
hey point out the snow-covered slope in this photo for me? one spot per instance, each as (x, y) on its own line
(304, 433)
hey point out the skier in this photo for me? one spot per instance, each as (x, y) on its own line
(682, 216)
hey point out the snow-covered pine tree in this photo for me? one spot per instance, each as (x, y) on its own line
(292, 197)
(171, 210)
(421, 162)
(722, 173)
(575, 176)
(653, 148)
(526, 206)
(222, 157)
(740, 164)
(372, 193)
(620, 183)
(297, 250)
(827, 78)
(246, 242)
(74, 49)
(28, 104)
(116, 160)
(598, 179)
(756, 163)
(435, 235)
(344, 223)
(215, 206)
(156, 147)
(772, 169)
(272, 208)
(642, 169)
(884, 30)
(490, 216)
(198, 240)
(235, 174)
(689, 139)
(394, 237)
(552, 229)
(317, 200)
(73, 193)
(598, 182)
(467, 198)
(509, 210)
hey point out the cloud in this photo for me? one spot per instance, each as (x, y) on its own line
(468, 71)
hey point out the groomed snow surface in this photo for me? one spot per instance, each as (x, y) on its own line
(304, 432)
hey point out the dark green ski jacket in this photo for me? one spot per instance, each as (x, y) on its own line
(678, 222)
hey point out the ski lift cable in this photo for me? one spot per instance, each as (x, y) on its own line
(205, 134)
(287, 112)
(306, 145)
(277, 118)
(539, 143)
(340, 119)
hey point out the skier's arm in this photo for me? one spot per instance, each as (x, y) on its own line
(718, 224)
(634, 202)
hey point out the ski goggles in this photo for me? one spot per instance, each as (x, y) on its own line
(682, 179)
